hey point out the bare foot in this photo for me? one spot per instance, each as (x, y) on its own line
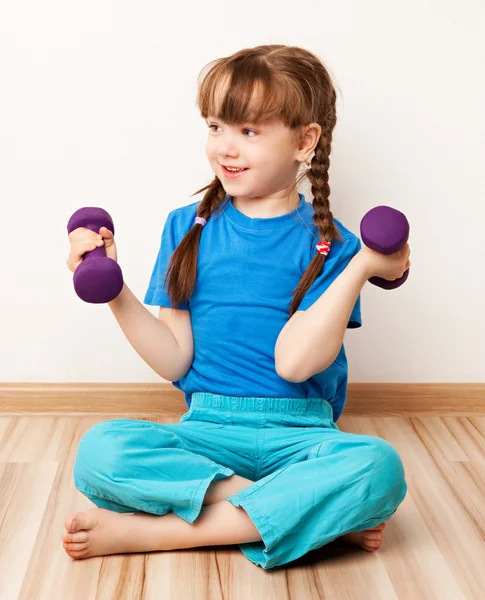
(369, 539)
(98, 532)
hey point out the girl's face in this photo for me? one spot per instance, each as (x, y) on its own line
(269, 151)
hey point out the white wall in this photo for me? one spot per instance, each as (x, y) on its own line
(97, 108)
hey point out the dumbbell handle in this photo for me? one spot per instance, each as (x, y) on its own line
(385, 230)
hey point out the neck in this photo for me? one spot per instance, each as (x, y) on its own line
(264, 208)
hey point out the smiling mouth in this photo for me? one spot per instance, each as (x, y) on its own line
(229, 173)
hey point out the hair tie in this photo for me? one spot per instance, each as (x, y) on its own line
(323, 247)
(200, 220)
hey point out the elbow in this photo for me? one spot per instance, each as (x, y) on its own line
(182, 369)
(299, 369)
(284, 367)
(288, 368)
(296, 379)
(298, 374)
(293, 375)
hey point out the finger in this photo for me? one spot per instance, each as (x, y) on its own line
(96, 240)
(105, 232)
(88, 239)
(70, 265)
(111, 253)
(78, 231)
(73, 261)
(80, 249)
(108, 239)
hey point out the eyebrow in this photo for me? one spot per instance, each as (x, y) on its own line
(259, 125)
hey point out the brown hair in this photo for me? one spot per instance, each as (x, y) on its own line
(296, 89)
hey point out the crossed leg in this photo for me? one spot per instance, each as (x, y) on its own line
(99, 532)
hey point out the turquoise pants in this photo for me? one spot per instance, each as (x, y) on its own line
(312, 482)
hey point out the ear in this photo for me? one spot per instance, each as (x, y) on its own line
(309, 136)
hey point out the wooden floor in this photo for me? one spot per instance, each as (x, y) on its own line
(433, 547)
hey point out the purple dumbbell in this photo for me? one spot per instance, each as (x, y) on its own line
(385, 230)
(98, 279)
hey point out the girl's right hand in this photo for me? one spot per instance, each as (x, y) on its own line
(387, 266)
(84, 240)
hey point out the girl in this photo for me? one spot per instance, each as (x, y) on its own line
(266, 284)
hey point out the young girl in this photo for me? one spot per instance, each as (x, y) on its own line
(256, 287)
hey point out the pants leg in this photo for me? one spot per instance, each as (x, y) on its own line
(317, 483)
(345, 483)
(128, 465)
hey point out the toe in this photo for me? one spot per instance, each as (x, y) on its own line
(372, 545)
(80, 552)
(82, 520)
(72, 523)
(74, 547)
(79, 555)
(378, 528)
(373, 535)
(76, 537)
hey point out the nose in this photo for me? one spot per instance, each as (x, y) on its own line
(227, 150)
(227, 147)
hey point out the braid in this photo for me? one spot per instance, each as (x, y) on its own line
(182, 278)
(323, 217)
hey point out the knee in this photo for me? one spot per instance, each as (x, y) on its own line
(96, 454)
(389, 468)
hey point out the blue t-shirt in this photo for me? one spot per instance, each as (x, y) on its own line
(248, 269)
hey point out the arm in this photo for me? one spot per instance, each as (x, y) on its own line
(309, 343)
(149, 336)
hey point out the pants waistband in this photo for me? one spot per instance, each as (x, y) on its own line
(309, 407)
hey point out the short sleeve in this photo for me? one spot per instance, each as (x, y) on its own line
(156, 293)
(334, 265)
